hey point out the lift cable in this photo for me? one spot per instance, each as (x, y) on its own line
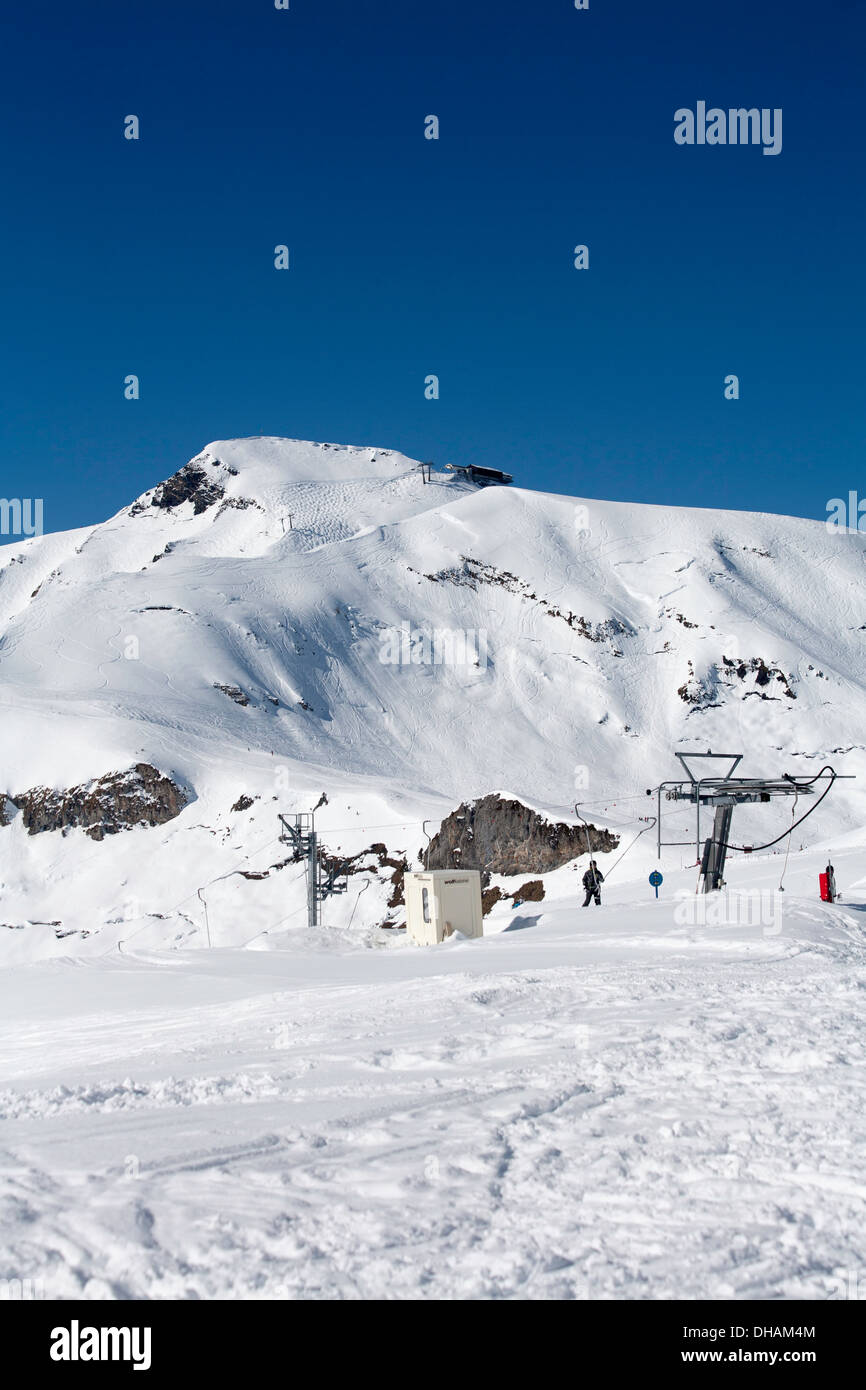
(749, 849)
(650, 826)
(585, 825)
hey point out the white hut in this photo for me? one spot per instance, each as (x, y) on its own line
(441, 902)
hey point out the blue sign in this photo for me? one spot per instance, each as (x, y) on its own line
(656, 879)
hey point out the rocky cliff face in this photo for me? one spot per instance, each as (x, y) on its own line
(506, 837)
(104, 806)
(189, 484)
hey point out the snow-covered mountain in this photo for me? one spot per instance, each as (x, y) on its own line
(284, 621)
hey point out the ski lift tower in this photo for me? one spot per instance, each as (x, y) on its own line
(723, 793)
(322, 882)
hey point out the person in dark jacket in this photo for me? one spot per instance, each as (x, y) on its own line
(592, 881)
(831, 883)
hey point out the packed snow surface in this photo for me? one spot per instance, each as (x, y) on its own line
(610, 1103)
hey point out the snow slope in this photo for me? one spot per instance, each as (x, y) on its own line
(605, 630)
(632, 1102)
(599, 1104)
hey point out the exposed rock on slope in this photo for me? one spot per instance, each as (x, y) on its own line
(472, 573)
(106, 805)
(188, 484)
(370, 861)
(506, 837)
(755, 677)
(234, 693)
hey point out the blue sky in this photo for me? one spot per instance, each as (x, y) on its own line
(452, 257)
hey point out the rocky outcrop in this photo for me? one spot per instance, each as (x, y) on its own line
(360, 864)
(531, 892)
(189, 484)
(764, 675)
(106, 805)
(234, 692)
(472, 573)
(752, 675)
(490, 897)
(506, 837)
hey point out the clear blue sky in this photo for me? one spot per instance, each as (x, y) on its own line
(454, 257)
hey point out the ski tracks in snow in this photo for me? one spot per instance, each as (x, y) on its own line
(567, 1133)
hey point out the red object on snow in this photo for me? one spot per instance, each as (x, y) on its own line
(823, 880)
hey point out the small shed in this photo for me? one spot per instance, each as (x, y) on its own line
(484, 477)
(441, 902)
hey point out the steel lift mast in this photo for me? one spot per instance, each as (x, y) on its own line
(723, 793)
(300, 833)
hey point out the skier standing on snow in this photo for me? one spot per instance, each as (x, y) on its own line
(592, 881)
(831, 882)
